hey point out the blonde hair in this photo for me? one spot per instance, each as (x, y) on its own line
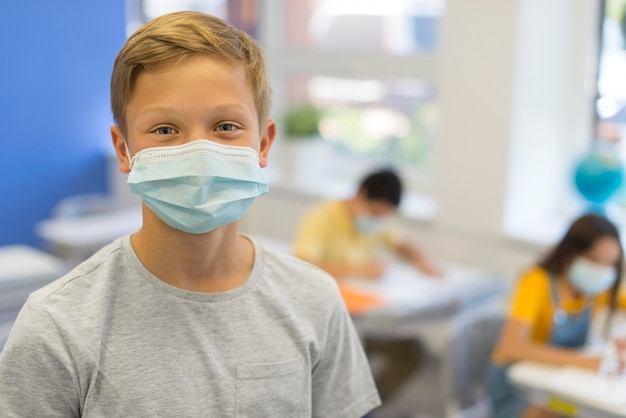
(174, 36)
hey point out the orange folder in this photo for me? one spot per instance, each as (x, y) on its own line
(358, 301)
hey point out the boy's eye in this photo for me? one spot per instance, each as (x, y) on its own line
(164, 130)
(226, 127)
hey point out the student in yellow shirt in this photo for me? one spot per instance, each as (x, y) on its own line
(343, 236)
(552, 306)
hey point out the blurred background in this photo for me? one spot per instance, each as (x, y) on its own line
(485, 107)
(505, 119)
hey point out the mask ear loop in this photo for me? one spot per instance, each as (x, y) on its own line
(132, 160)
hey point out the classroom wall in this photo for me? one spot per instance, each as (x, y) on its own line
(54, 78)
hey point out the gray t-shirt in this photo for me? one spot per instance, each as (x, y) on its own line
(112, 340)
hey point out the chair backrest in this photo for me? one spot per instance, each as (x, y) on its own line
(474, 337)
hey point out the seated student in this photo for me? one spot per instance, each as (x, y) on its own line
(552, 307)
(187, 317)
(342, 236)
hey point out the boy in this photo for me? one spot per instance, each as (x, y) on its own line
(186, 317)
(342, 237)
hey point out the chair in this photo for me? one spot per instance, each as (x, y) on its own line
(474, 334)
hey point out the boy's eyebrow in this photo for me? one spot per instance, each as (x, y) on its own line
(235, 107)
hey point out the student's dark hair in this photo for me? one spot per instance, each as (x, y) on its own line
(580, 237)
(382, 185)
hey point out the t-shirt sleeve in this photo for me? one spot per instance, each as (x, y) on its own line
(526, 305)
(343, 385)
(35, 369)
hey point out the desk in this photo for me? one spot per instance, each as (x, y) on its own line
(571, 391)
(77, 238)
(406, 304)
(454, 317)
(403, 294)
(23, 269)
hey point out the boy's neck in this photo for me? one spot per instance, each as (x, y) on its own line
(213, 262)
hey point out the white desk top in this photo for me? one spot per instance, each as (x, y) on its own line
(405, 290)
(23, 263)
(90, 231)
(586, 392)
(414, 304)
(403, 287)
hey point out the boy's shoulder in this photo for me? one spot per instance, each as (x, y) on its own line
(297, 269)
(295, 274)
(83, 279)
(326, 207)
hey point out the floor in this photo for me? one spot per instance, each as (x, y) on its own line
(422, 397)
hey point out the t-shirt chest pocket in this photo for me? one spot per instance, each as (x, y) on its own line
(271, 390)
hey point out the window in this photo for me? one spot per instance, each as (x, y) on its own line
(240, 13)
(367, 68)
(370, 69)
(610, 105)
(392, 120)
(399, 27)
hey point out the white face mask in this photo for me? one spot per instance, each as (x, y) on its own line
(591, 278)
(198, 186)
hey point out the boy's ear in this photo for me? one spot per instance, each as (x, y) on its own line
(120, 149)
(267, 139)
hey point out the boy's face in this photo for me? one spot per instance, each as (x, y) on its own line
(200, 97)
(372, 208)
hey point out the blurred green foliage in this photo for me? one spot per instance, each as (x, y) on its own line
(301, 121)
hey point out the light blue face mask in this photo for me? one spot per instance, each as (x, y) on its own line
(368, 225)
(591, 278)
(198, 186)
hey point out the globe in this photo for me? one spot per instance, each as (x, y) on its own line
(598, 176)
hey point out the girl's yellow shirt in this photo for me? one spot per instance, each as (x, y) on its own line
(532, 302)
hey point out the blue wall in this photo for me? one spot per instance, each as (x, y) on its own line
(54, 105)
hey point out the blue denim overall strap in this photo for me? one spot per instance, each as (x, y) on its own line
(568, 330)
